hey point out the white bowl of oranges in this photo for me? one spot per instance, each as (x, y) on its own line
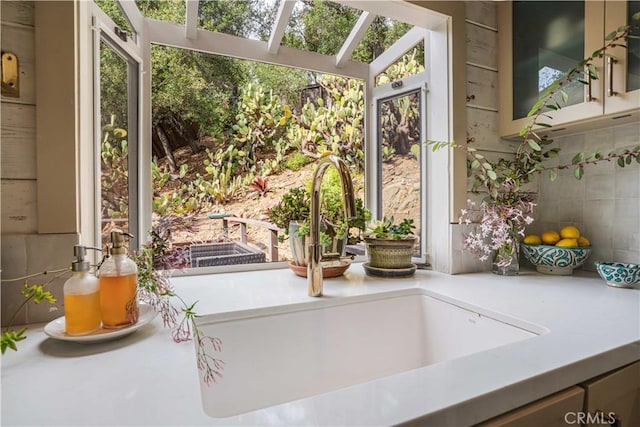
(555, 252)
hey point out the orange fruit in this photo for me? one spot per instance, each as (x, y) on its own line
(550, 237)
(567, 243)
(569, 232)
(532, 239)
(583, 241)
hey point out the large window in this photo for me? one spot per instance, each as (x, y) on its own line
(238, 101)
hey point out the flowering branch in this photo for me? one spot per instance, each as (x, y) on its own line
(155, 261)
(498, 223)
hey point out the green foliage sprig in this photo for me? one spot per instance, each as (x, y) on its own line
(386, 228)
(114, 178)
(31, 292)
(293, 206)
(534, 148)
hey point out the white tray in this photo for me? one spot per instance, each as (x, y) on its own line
(56, 328)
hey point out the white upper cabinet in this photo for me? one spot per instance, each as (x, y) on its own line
(541, 40)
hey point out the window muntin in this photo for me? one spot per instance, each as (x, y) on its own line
(382, 32)
(113, 10)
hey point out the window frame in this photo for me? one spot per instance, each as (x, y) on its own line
(102, 32)
(416, 83)
(435, 27)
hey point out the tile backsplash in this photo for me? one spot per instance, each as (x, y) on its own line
(23, 255)
(604, 204)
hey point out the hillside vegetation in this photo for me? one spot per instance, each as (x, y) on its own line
(232, 135)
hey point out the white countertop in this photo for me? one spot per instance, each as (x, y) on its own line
(146, 379)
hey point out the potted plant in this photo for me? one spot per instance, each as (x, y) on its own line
(390, 247)
(292, 215)
(498, 224)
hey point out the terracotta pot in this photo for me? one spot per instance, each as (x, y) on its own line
(327, 272)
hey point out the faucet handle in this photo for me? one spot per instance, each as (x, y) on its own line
(330, 256)
(335, 256)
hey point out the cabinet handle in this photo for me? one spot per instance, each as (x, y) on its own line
(617, 422)
(610, 61)
(590, 97)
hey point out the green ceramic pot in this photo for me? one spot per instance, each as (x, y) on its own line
(390, 253)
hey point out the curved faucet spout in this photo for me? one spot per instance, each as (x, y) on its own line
(314, 267)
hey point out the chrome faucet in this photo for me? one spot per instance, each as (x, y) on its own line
(314, 267)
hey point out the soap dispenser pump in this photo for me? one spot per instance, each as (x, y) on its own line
(81, 296)
(118, 277)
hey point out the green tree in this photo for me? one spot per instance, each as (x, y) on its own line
(320, 26)
(195, 94)
(284, 82)
(246, 18)
(382, 33)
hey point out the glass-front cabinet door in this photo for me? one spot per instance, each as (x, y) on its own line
(622, 85)
(539, 42)
(545, 45)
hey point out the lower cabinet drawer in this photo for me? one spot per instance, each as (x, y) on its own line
(614, 398)
(560, 409)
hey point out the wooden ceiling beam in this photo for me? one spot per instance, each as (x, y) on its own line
(397, 50)
(282, 20)
(172, 34)
(132, 14)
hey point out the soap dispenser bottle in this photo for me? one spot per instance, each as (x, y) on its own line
(81, 297)
(118, 285)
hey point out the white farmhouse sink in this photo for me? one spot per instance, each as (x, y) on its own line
(275, 355)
